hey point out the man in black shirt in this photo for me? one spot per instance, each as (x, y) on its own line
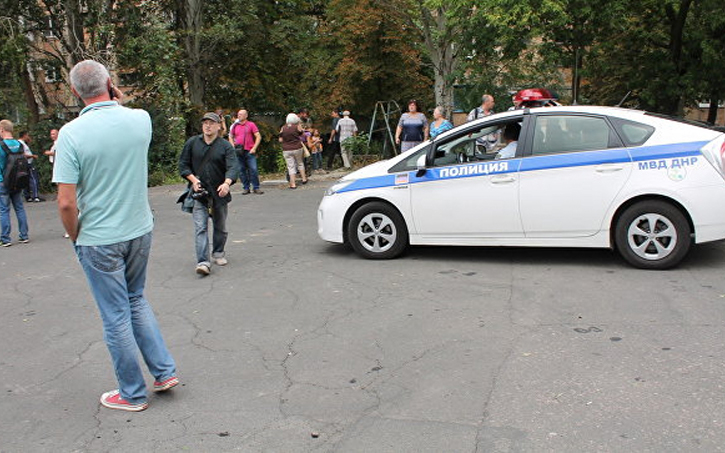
(209, 164)
(333, 144)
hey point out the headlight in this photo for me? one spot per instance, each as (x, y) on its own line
(338, 186)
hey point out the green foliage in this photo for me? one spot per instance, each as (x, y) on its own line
(358, 144)
(269, 153)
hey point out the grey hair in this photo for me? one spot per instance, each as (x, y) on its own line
(89, 78)
(293, 119)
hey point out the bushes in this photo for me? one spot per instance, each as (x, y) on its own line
(358, 144)
(269, 154)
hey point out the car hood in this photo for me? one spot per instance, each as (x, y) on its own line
(375, 169)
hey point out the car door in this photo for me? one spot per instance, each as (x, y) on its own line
(465, 192)
(575, 166)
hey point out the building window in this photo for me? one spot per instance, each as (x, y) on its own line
(49, 29)
(52, 74)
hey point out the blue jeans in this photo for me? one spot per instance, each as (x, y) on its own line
(248, 169)
(116, 274)
(16, 199)
(200, 214)
(317, 160)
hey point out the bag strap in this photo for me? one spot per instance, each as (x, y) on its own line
(206, 158)
(6, 148)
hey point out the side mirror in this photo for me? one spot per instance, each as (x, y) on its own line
(420, 165)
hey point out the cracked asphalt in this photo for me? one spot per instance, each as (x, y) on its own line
(300, 346)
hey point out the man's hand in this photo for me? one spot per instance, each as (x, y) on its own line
(196, 186)
(223, 189)
(117, 94)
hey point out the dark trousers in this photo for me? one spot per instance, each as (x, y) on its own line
(31, 192)
(333, 149)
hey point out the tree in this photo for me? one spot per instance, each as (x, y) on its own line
(677, 59)
(372, 56)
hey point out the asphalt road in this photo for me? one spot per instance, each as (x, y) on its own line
(300, 346)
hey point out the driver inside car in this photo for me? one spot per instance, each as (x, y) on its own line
(510, 136)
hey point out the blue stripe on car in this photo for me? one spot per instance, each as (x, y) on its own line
(543, 162)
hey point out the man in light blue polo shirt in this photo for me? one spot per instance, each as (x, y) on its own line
(101, 172)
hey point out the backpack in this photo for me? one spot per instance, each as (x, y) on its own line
(16, 175)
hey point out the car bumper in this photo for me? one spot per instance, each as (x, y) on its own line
(330, 218)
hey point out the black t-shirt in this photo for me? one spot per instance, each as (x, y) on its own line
(221, 164)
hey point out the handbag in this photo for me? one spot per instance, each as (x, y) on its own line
(187, 203)
(306, 151)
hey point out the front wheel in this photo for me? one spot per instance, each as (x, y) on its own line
(377, 231)
(653, 235)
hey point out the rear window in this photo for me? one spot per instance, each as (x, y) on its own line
(632, 132)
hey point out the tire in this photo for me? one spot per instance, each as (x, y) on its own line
(653, 235)
(377, 231)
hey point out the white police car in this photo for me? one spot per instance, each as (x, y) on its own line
(578, 177)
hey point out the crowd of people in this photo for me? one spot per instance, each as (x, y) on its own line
(100, 167)
(303, 148)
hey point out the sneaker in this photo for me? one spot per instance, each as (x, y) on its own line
(245, 192)
(6, 244)
(24, 241)
(258, 192)
(220, 261)
(66, 235)
(37, 200)
(166, 385)
(113, 400)
(202, 269)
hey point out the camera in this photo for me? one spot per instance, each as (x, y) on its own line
(200, 195)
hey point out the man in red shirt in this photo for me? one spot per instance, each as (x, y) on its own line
(245, 137)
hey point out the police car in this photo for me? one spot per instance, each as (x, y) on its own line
(645, 185)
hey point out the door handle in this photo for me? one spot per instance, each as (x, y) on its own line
(608, 168)
(502, 179)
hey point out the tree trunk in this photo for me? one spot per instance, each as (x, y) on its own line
(30, 101)
(712, 111)
(575, 77)
(677, 29)
(438, 42)
(191, 24)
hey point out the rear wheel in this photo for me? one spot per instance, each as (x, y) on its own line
(377, 231)
(653, 235)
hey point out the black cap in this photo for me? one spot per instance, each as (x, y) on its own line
(211, 116)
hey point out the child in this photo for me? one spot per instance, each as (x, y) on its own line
(314, 143)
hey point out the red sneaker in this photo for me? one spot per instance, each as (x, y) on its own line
(166, 385)
(113, 400)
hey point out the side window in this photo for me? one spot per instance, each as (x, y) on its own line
(475, 145)
(563, 134)
(633, 133)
